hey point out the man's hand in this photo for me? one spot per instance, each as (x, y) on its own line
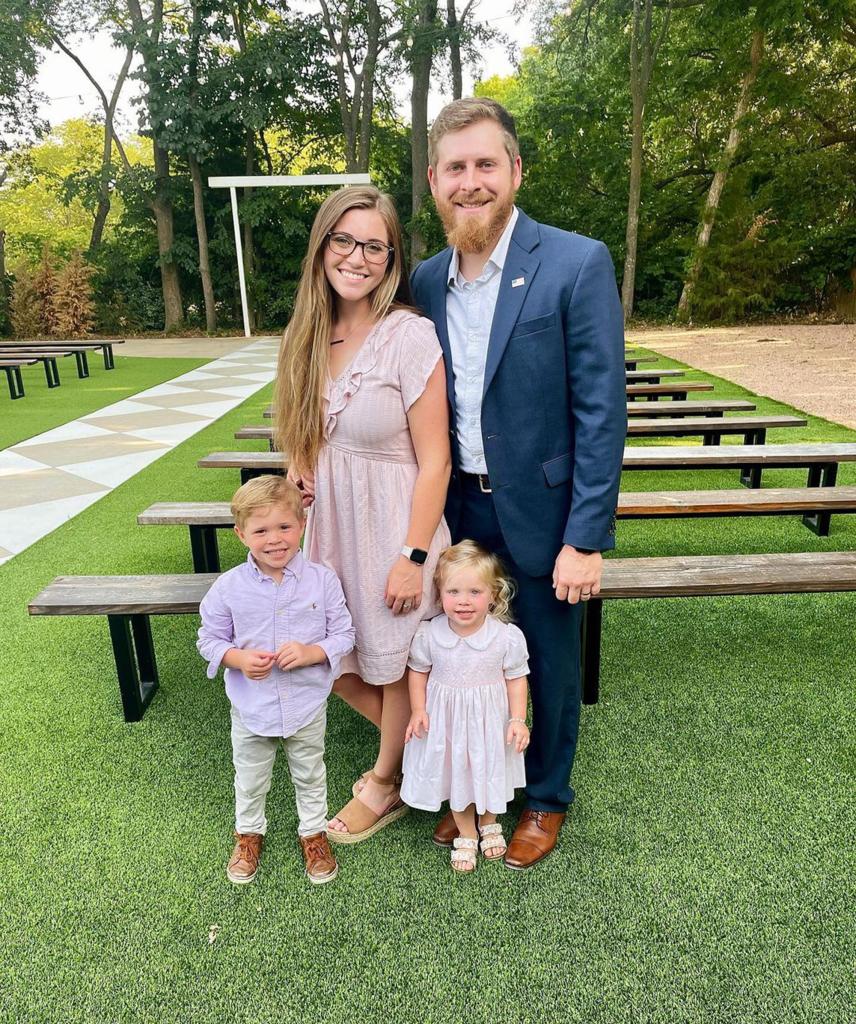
(576, 577)
(294, 655)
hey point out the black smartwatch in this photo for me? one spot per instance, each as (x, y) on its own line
(585, 551)
(416, 555)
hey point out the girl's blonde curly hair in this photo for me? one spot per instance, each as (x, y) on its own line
(469, 555)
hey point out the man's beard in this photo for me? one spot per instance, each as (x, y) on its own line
(472, 234)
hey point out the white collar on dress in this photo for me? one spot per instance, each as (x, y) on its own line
(443, 634)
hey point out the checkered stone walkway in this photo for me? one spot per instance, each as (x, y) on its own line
(48, 479)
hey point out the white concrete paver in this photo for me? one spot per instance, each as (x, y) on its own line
(48, 479)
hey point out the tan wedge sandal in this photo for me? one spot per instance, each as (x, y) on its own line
(357, 788)
(361, 821)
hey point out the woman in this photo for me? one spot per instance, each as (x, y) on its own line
(362, 414)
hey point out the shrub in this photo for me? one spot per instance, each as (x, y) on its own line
(73, 307)
(24, 308)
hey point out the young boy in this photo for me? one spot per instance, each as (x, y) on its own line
(279, 625)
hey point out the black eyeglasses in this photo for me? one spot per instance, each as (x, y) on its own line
(343, 244)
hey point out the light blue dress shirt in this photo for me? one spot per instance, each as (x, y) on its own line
(470, 307)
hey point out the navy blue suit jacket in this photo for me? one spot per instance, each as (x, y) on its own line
(554, 415)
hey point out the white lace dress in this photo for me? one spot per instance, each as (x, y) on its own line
(464, 758)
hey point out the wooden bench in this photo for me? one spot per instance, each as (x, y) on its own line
(79, 348)
(129, 601)
(753, 428)
(204, 518)
(48, 358)
(821, 461)
(708, 576)
(699, 407)
(651, 376)
(677, 391)
(631, 361)
(13, 375)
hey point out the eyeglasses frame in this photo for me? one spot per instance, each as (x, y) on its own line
(390, 249)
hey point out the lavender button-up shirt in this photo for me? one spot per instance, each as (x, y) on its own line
(245, 608)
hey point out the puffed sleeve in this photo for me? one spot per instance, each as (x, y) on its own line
(516, 661)
(420, 659)
(419, 353)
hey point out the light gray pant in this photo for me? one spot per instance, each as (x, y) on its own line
(254, 756)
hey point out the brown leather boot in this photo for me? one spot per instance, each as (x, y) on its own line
(244, 862)
(319, 859)
(446, 831)
(535, 836)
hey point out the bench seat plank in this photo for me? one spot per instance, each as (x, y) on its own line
(643, 375)
(676, 387)
(123, 595)
(693, 407)
(675, 504)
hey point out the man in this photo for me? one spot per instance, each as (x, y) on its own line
(531, 328)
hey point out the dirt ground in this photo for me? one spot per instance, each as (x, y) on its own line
(191, 348)
(811, 368)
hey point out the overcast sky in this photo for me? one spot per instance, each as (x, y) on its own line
(69, 94)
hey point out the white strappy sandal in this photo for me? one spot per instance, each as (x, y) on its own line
(492, 839)
(464, 852)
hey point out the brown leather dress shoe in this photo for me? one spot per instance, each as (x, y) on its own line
(446, 831)
(535, 836)
(319, 859)
(244, 862)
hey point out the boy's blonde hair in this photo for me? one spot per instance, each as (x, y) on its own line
(469, 555)
(461, 114)
(263, 492)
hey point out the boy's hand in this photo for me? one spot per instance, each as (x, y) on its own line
(518, 734)
(418, 722)
(254, 664)
(295, 655)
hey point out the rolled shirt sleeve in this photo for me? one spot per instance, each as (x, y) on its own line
(217, 632)
(340, 637)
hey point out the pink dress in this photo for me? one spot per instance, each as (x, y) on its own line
(364, 482)
(463, 758)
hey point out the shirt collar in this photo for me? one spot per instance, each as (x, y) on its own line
(443, 634)
(497, 257)
(294, 567)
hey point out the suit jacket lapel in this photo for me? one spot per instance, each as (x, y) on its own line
(520, 263)
(437, 286)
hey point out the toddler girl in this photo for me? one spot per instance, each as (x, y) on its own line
(467, 681)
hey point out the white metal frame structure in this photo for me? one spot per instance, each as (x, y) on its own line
(266, 181)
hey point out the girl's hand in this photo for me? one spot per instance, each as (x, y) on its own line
(418, 722)
(305, 481)
(518, 734)
(403, 586)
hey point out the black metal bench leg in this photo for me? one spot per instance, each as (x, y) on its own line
(750, 476)
(82, 364)
(631, 364)
(821, 475)
(16, 384)
(591, 632)
(136, 667)
(711, 439)
(51, 373)
(203, 546)
(108, 357)
(251, 474)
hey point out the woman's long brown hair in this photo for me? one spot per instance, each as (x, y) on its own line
(304, 352)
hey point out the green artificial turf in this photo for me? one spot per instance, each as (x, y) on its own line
(42, 408)
(704, 874)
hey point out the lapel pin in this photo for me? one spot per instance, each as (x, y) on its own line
(517, 282)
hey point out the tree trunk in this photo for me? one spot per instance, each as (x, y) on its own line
(366, 108)
(4, 298)
(714, 195)
(162, 208)
(422, 54)
(643, 56)
(202, 238)
(454, 36)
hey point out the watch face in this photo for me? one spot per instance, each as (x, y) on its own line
(418, 556)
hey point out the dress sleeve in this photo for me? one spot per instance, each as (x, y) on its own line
(516, 661)
(420, 659)
(419, 353)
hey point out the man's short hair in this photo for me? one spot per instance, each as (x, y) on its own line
(462, 113)
(262, 492)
